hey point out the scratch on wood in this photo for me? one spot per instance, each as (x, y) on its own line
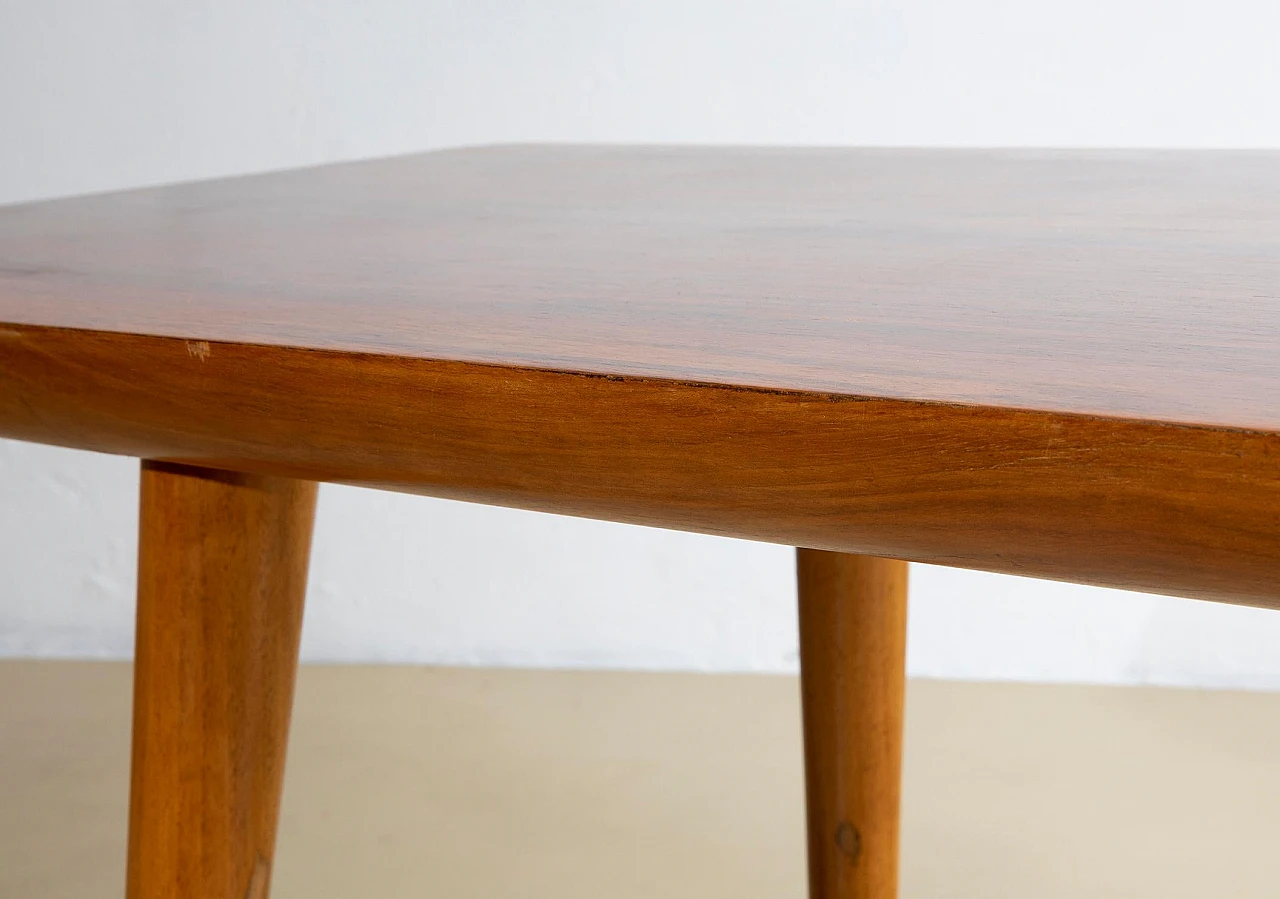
(198, 349)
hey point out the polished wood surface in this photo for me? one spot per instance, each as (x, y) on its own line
(1059, 364)
(1188, 510)
(1132, 284)
(221, 576)
(853, 638)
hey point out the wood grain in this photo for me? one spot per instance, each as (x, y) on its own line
(221, 576)
(853, 637)
(1135, 284)
(1060, 364)
(1177, 509)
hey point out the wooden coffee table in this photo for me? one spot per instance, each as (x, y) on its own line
(1057, 364)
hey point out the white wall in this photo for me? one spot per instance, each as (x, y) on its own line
(102, 95)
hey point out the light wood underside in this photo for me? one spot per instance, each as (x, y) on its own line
(1181, 510)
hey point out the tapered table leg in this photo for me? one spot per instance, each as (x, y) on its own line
(221, 577)
(853, 615)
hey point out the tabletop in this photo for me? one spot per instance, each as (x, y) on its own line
(1057, 363)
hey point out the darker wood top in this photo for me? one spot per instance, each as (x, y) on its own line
(1141, 285)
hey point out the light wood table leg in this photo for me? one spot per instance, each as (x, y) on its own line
(853, 616)
(221, 576)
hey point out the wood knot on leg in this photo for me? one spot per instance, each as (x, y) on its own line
(848, 840)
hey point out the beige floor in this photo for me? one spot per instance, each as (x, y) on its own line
(463, 783)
